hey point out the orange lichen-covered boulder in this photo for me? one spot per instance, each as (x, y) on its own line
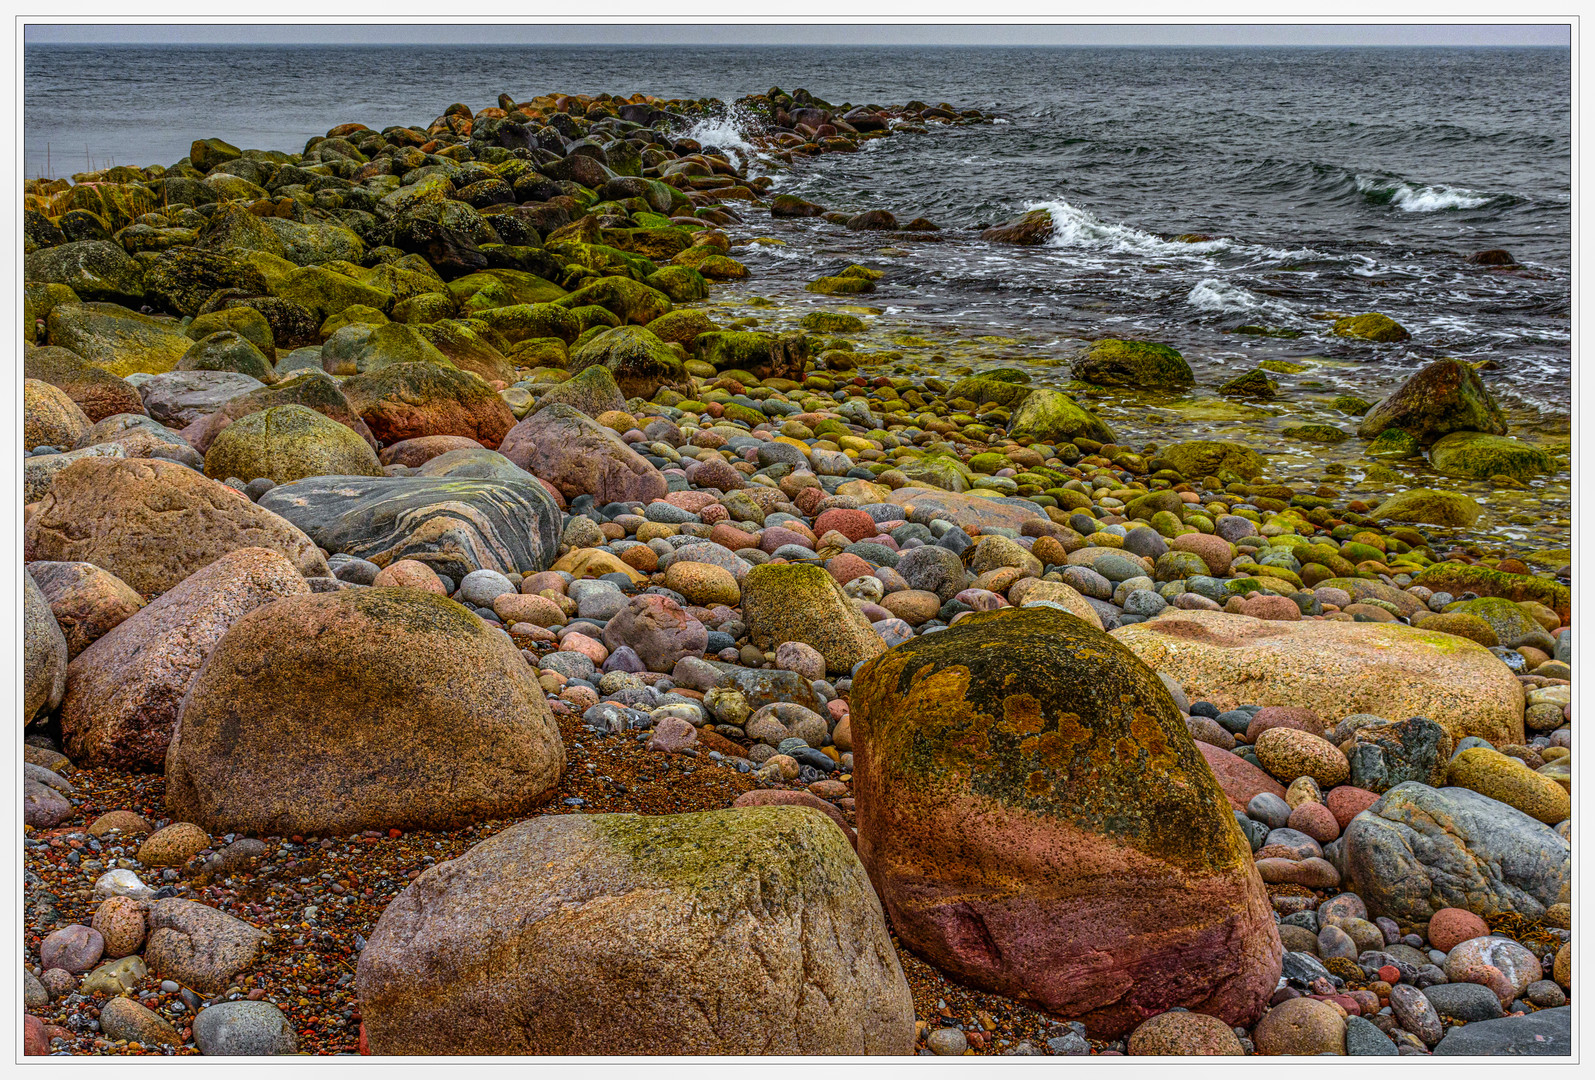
(1039, 823)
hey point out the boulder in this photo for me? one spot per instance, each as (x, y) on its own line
(1506, 779)
(640, 363)
(44, 653)
(1206, 457)
(1426, 506)
(766, 356)
(97, 270)
(372, 708)
(1543, 1033)
(1472, 455)
(802, 602)
(658, 630)
(453, 524)
(1419, 849)
(244, 1029)
(312, 389)
(182, 280)
(593, 391)
(580, 456)
(923, 504)
(118, 340)
(178, 398)
(96, 391)
(1334, 668)
(227, 350)
(87, 602)
(1051, 416)
(153, 523)
(137, 436)
(741, 932)
(1443, 397)
(1039, 823)
(50, 417)
(123, 692)
(407, 401)
(1184, 1034)
(1388, 754)
(286, 443)
(1138, 365)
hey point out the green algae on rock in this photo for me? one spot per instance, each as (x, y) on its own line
(1052, 416)
(1473, 455)
(1009, 767)
(285, 443)
(1205, 457)
(796, 602)
(1135, 365)
(1371, 327)
(1443, 397)
(1426, 506)
(1458, 578)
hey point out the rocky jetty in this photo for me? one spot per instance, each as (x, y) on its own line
(454, 622)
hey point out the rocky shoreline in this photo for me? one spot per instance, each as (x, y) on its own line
(453, 625)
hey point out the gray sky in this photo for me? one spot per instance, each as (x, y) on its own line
(812, 34)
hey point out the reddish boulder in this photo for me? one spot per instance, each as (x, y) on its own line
(1241, 780)
(1346, 802)
(419, 451)
(579, 456)
(407, 401)
(1039, 823)
(658, 630)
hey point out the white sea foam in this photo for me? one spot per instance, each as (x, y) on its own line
(1076, 228)
(1420, 198)
(1215, 294)
(728, 132)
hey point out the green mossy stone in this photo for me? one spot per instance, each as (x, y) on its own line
(1136, 365)
(518, 322)
(122, 342)
(1426, 506)
(1052, 416)
(95, 270)
(353, 315)
(835, 285)
(1394, 444)
(1443, 397)
(327, 292)
(1371, 327)
(423, 309)
(1351, 406)
(681, 284)
(1204, 457)
(244, 321)
(631, 301)
(1318, 433)
(287, 443)
(640, 363)
(228, 351)
(832, 322)
(1458, 578)
(1253, 384)
(1473, 455)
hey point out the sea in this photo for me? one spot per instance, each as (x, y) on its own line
(1324, 180)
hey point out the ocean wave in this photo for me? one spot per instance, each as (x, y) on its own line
(1225, 297)
(1419, 198)
(1076, 228)
(728, 132)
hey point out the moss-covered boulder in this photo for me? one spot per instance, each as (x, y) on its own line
(1051, 416)
(327, 292)
(370, 709)
(314, 389)
(832, 322)
(1002, 386)
(470, 347)
(96, 270)
(1473, 455)
(1458, 578)
(681, 284)
(681, 326)
(799, 602)
(244, 321)
(287, 443)
(50, 417)
(226, 350)
(395, 343)
(1207, 457)
(206, 154)
(120, 341)
(182, 280)
(1317, 433)
(942, 471)
(1371, 327)
(766, 356)
(761, 917)
(118, 205)
(522, 322)
(307, 243)
(1030, 228)
(1039, 823)
(840, 285)
(39, 298)
(1427, 506)
(1254, 384)
(592, 391)
(96, 391)
(409, 400)
(640, 363)
(1443, 397)
(630, 301)
(1393, 444)
(1136, 365)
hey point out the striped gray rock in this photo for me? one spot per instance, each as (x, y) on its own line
(453, 524)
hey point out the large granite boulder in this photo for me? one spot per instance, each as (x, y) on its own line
(44, 655)
(580, 456)
(286, 443)
(371, 708)
(407, 401)
(313, 389)
(801, 602)
(1443, 397)
(87, 602)
(178, 398)
(50, 417)
(1138, 365)
(96, 391)
(153, 523)
(745, 931)
(1334, 668)
(453, 524)
(116, 339)
(123, 691)
(592, 391)
(1039, 823)
(639, 361)
(138, 436)
(1419, 849)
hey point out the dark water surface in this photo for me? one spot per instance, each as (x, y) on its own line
(1342, 180)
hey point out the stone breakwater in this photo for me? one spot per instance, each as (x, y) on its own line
(438, 611)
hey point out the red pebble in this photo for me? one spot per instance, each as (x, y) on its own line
(394, 834)
(1390, 974)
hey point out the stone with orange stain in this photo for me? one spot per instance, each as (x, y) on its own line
(1039, 823)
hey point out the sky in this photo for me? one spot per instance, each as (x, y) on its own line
(812, 34)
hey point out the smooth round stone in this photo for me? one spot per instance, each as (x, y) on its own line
(947, 1042)
(1235, 721)
(1117, 567)
(243, 1029)
(668, 514)
(481, 587)
(1270, 809)
(1144, 602)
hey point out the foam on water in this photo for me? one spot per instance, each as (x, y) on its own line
(1073, 227)
(1215, 294)
(1419, 198)
(728, 132)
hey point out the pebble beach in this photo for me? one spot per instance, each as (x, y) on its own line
(468, 612)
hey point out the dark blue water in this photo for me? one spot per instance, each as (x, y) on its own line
(1341, 180)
